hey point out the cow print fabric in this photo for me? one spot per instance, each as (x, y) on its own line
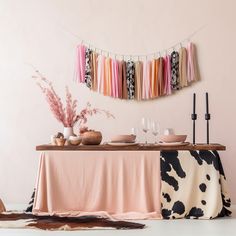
(193, 185)
(31, 203)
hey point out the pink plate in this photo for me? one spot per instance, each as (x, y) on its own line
(173, 138)
(125, 138)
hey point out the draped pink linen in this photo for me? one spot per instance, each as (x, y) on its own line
(81, 63)
(120, 184)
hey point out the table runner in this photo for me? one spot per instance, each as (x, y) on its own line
(124, 185)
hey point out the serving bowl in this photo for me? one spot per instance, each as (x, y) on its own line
(60, 141)
(75, 140)
(92, 138)
(173, 138)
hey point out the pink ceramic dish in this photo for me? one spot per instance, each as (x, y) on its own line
(173, 138)
(124, 138)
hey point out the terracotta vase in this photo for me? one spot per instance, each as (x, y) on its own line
(2, 207)
(92, 138)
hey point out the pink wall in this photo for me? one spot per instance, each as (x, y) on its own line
(36, 32)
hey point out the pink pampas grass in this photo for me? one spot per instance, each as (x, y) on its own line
(66, 115)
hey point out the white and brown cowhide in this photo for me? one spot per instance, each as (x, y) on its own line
(193, 185)
(47, 222)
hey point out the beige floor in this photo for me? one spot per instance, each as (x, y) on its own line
(222, 227)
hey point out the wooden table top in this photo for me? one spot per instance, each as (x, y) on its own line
(139, 147)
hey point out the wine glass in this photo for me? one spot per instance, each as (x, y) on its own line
(134, 131)
(155, 129)
(145, 127)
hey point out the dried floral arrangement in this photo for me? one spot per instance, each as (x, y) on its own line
(67, 115)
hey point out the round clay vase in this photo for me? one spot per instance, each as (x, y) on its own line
(92, 138)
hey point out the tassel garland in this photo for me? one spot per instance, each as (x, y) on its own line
(139, 80)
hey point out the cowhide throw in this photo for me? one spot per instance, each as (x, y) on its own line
(31, 203)
(2, 207)
(26, 220)
(193, 185)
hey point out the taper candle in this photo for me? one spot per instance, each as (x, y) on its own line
(207, 104)
(207, 116)
(194, 116)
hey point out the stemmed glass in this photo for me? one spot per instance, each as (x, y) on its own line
(134, 131)
(155, 129)
(145, 127)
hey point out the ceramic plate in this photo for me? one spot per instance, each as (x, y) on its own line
(126, 138)
(174, 144)
(122, 144)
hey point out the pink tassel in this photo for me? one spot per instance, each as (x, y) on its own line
(115, 77)
(144, 80)
(148, 80)
(120, 75)
(78, 73)
(167, 75)
(100, 73)
(190, 65)
(81, 63)
(112, 83)
(146, 91)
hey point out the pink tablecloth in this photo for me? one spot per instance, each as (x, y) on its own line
(121, 184)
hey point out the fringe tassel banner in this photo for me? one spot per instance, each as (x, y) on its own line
(140, 79)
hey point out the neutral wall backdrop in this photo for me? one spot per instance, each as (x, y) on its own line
(42, 33)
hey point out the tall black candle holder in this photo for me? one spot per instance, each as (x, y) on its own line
(207, 118)
(194, 117)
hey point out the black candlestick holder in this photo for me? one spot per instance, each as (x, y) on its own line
(194, 117)
(207, 118)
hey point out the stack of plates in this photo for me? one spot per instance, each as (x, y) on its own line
(123, 140)
(173, 140)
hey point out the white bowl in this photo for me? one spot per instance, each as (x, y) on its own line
(75, 140)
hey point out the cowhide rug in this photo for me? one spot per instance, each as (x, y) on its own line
(28, 220)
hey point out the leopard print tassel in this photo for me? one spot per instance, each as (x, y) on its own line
(130, 79)
(88, 67)
(174, 70)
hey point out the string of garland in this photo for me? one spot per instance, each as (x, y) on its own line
(137, 79)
